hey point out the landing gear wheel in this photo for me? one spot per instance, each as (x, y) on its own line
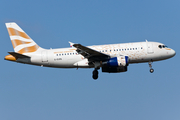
(95, 77)
(151, 70)
(95, 74)
(150, 65)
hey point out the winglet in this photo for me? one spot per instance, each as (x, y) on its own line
(71, 44)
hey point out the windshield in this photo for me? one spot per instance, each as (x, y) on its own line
(162, 46)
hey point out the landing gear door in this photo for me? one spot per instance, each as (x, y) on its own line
(44, 56)
(149, 47)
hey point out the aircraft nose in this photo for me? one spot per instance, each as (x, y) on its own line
(173, 52)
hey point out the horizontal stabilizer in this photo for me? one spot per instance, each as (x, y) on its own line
(18, 55)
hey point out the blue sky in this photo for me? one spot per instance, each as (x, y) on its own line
(34, 93)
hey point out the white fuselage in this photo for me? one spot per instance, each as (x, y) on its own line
(68, 57)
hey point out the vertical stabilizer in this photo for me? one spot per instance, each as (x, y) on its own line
(21, 42)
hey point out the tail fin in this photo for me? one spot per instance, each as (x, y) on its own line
(21, 42)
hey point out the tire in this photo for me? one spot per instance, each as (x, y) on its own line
(95, 77)
(95, 74)
(151, 70)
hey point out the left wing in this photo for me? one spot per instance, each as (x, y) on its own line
(90, 54)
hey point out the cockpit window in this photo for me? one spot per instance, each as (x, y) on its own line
(162, 46)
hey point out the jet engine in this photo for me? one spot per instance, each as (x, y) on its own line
(119, 61)
(116, 64)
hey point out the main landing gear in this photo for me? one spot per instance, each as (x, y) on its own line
(95, 74)
(150, 65)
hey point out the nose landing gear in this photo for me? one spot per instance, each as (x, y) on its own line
(150, 65)
(151, 70)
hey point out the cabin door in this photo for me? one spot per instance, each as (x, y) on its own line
(149, 47)
(44, 56)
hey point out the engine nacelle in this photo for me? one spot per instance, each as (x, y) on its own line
(114, 69)
(120, 61)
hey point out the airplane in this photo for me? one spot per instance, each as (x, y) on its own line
(111, 58)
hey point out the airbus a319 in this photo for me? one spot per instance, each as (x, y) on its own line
(112, 58)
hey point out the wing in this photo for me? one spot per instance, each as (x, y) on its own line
(91, 54)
